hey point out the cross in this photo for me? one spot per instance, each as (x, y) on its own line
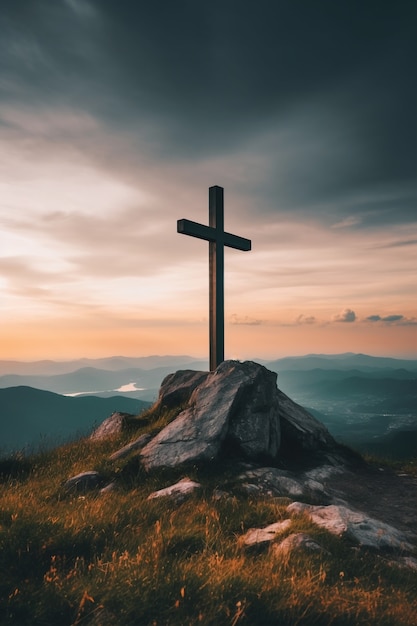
(217, 238)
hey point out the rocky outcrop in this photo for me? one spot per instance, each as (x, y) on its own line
(237, 409)
(234, 407)
(114, 425)
(358, 526)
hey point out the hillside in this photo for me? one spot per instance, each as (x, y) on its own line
(32, 417)
(126, 557)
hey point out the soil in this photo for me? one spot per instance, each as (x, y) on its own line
(381, 493)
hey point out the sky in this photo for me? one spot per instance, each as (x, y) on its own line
(116, 116)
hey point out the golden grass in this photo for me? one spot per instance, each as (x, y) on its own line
(139, 562)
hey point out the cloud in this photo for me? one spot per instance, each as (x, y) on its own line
(345, 316)
(374, 318)
(306, 319)
(399, 320)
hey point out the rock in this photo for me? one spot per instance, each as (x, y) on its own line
(83, 482)
(364, 530)
(178, 492)
(177, 388)
(256, 536)
(114, 425)
(254, 428)
(300, 430)
(133, 446)
(235, 409)
(271, 481)
(234, 406)
(298, 541)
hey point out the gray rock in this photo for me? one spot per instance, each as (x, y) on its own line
(254, 427)
(271, 481)
(299, 429)
(177, 388)
(83, 482)
(181, 490)
(219, 411)
(133, 446)
(364, 530)
(298, 541)
(257, 536)
(112, 426)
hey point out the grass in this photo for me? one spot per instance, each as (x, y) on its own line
(124, 560)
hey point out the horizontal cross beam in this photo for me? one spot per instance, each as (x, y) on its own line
(194, 229)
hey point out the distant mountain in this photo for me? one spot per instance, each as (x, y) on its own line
(359, 385)
(29, 417)
(98, 381)
(51, 368)
(345, 361)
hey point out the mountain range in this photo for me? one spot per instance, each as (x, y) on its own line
(360, 398)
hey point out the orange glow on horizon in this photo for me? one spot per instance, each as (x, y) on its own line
(242, 341)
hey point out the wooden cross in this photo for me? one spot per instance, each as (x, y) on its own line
(217, 238)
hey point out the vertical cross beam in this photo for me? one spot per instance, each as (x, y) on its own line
(216, 277)
(217, 238)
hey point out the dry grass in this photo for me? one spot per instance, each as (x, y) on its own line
(121, 559)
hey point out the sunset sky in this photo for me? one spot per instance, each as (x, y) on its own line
(116, 116)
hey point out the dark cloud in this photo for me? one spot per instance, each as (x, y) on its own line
(374, 318)
(322, 94)
(400, 320)
(393, 318)
(345, 316)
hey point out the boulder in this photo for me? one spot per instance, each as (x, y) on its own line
(364, 530)
(236, 406)
(177, 388)
(83, 482)
(178, 492)
(298, 541)
(235, 409)
(114, 425)
(258, 536)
